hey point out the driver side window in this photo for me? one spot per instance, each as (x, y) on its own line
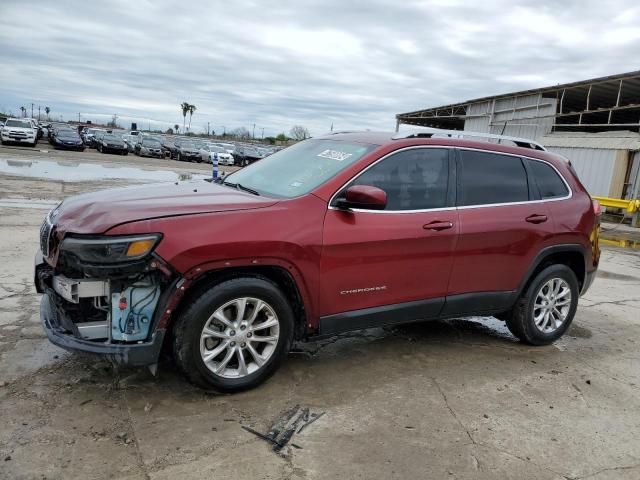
(414, 179)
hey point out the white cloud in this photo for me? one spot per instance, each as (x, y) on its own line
(353, 64)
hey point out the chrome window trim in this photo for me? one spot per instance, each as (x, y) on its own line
(364, 210)
(485, 205)
(442, 209)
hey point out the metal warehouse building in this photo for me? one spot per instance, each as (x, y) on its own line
(594, 123)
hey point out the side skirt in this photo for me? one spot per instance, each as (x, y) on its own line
(436, 308)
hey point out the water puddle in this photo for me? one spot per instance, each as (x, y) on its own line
(77, 172)
(579, 332)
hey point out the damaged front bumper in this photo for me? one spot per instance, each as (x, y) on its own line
(137, 354)
(89, 316)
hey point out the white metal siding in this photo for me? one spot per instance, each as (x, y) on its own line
(524, 116)
(594, 167)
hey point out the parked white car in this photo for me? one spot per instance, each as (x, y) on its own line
(229, 147)
(18, 130)
(208, 151)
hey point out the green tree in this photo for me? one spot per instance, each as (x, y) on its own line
(24, 111)
(176, 128)
(47, 110)
(281, 137)
(185, 109)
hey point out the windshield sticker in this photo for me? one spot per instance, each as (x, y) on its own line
(296, 184)
(334, 155)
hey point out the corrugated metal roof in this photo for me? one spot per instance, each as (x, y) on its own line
(552, 88)
(623, 140)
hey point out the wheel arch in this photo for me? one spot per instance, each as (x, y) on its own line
(277, 274)
(571, 255)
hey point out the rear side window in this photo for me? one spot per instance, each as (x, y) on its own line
(548, 181)
(415, 179)
(489, 178)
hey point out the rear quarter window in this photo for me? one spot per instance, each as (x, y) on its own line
(489, 178)
(547, 180)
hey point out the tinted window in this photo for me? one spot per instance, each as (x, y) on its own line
(413, 179)
(549, 182)
(488, 178)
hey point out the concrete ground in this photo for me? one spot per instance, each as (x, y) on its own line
(459, 399)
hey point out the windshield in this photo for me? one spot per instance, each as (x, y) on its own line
(67, 134)
(151, 141)
(18, 123)
(187, 145)
(299, 169)
(111, 137)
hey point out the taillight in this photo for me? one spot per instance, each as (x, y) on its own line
(597, 209)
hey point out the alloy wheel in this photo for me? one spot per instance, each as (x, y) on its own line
(240, 337)
(552, 304)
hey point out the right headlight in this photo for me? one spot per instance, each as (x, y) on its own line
(111, 249)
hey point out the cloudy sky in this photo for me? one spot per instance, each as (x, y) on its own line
(275, 64)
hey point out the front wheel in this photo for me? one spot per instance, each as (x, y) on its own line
(235, 335)
(546, 309)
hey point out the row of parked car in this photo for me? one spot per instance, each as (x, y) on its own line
(189, 149)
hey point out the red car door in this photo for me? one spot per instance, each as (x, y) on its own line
(502, 228)
(399, 256)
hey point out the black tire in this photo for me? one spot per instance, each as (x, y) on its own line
(179, 157)
(188, 328)
(521, 322)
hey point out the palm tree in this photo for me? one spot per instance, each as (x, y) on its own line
(192, 108)
(24, 111)
(185, 108)
(47, 110)
(176, 127)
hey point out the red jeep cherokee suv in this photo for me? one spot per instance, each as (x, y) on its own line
(338, 233)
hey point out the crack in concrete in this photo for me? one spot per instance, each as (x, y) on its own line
(453, 414)
(613, 302)
(136, 443)
(608, 469)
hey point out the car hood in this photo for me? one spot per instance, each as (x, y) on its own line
(97, 212)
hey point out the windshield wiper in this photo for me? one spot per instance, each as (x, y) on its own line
(247, 189)
(241, 187)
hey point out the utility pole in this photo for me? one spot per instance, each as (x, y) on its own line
(208, 129)
(253, 135)
(38, 112)
(32, 110)
(262, 138)
(78, 117)
(224, 131)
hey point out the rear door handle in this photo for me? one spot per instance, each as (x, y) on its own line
(535, 218)
(438, 225)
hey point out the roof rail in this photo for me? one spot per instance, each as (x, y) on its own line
(428, 132)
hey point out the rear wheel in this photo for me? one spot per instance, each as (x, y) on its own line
(546, 309)
(235, 335)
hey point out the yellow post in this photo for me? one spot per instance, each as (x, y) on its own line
(631, 206)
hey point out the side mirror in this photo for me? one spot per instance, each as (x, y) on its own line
(364, 197)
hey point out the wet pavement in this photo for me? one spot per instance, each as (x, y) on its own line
(450, 399)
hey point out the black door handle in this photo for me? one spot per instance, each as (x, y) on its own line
(438, 225)
(535, 218)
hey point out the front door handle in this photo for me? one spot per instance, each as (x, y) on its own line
(535, 218)
(438, 225)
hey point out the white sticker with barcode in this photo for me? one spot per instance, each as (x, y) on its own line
(334, 155)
